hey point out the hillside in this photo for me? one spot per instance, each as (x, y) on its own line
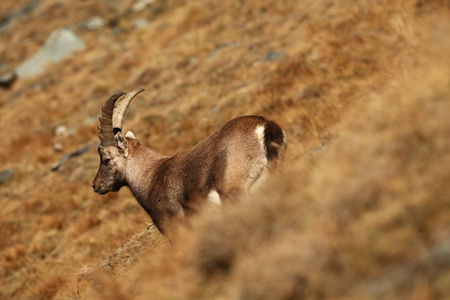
(365, 216)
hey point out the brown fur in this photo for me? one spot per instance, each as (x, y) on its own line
(229, 162)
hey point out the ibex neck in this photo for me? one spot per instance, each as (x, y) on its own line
(141, 167)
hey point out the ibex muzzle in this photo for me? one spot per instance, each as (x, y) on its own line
(111, 173)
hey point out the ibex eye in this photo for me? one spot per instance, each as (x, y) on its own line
(106, 161)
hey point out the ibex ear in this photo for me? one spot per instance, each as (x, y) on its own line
(121, 144)
(130, 135)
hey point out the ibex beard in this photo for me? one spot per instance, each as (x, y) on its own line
(217, 170)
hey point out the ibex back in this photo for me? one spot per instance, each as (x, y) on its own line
(223, 166)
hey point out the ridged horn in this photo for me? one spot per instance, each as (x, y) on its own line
(106, 134)
(120, 109)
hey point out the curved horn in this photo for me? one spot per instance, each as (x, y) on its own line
(106, 134)
(120, 108)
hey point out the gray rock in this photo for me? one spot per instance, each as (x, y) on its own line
(36, 86)
(65, 158)
(117, 31)
(325, 140)
(5, 175)
(140, 23)
(61, 44)
(6, 19)
(61, 130)
(140, 5)
(15, 95)
(94, 23)
(223, 47)
(318, 150)
(58, 147)
(215, 109)
(4, 67)
(90, 120)
(273, 55)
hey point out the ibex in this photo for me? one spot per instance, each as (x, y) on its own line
(218, 169)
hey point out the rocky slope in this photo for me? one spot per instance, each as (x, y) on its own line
(367, 216)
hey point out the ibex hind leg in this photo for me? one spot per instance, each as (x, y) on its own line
(259, 181)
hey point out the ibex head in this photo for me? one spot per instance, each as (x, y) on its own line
(113, 148)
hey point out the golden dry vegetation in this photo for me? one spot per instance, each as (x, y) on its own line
(366, 217)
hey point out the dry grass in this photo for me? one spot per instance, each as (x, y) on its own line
(366, 218)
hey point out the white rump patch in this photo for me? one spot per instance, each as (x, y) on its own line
(260, 133)
(214, 197)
